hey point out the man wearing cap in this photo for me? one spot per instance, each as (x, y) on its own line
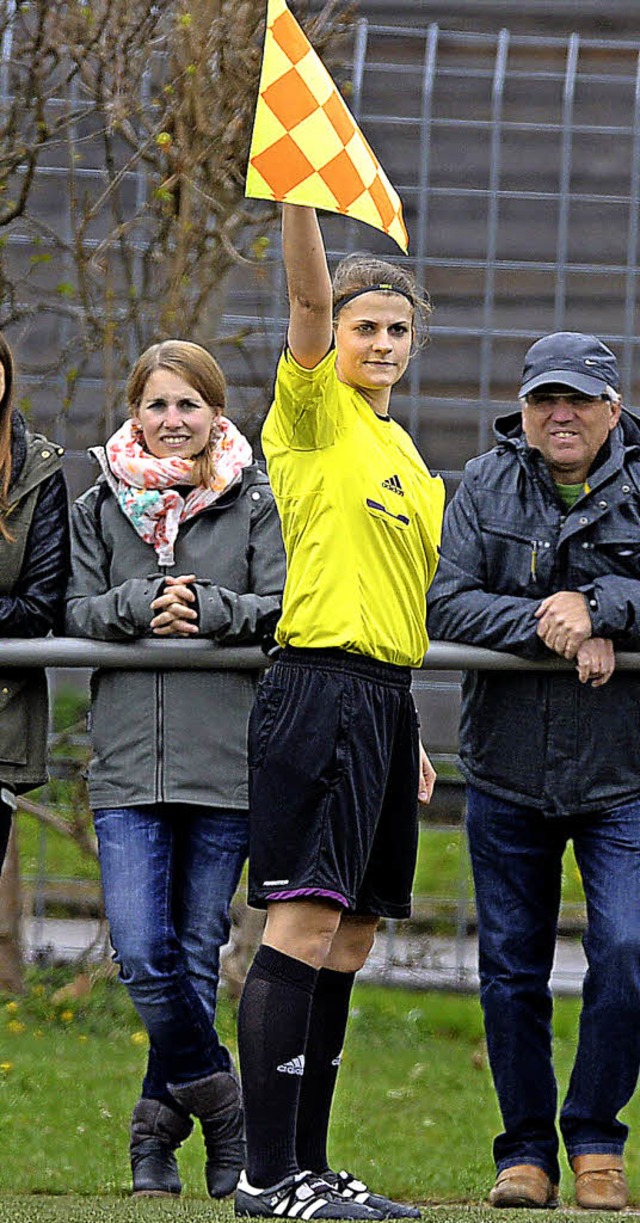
(541, 557)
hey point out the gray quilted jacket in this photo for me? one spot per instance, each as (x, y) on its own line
(174, 736)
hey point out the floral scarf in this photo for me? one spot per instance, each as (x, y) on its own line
(145, 485)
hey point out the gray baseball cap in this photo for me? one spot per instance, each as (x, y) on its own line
(570, 358)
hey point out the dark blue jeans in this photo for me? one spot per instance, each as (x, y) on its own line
(169, 873)
(516, 856)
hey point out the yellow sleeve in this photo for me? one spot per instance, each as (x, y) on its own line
(305, 410)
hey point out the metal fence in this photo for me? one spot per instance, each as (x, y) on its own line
(517, 157)
(436, 949)
(518, 161)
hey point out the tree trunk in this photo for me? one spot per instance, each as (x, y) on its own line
(11, 977)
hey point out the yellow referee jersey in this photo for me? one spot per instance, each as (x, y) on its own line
(361, 518)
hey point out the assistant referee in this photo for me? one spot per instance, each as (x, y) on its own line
(336, 762)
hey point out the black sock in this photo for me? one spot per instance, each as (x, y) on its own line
(327, 1026)
(273, 1019)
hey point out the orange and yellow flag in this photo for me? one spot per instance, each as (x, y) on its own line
(306, 146)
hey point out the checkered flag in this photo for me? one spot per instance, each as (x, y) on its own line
(306, 146)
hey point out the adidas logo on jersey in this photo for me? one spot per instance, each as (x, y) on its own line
(394, 485)
(295, 1066)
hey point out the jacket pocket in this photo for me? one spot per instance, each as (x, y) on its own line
(613, 552)
(376, 509)
(516, 560)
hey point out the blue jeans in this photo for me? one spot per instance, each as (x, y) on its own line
(169, 873)
(516, 855)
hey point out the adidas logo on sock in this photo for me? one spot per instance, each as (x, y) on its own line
(394, 485)
(295, 1066)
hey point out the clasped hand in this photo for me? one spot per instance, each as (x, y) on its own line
(175, 613)
(564, 624)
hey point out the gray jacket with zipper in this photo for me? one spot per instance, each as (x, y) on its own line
(539, 738)
(174, 736)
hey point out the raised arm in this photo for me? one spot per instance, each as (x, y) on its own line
(309, 285)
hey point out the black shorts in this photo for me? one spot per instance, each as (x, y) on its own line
(333, 783)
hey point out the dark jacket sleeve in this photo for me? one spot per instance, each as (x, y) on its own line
(614, 607)
(36, 604)
(461, 605)
(95, 608)
(227, 616)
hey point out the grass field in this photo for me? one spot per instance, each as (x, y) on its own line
(415, 1109)
(72, 1210)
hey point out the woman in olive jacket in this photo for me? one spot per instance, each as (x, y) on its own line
(34, 567)
(179, 537)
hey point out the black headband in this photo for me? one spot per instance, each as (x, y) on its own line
(379, 288)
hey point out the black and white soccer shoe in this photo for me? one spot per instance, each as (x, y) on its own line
(353, 1190)
(303, 1196)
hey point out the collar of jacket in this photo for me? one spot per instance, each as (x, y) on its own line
(33, 459)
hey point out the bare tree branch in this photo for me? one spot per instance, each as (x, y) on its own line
(140, 115)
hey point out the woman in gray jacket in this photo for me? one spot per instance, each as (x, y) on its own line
(179, 537)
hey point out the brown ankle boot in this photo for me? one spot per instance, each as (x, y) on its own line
(524, 1185)
(600, 1182)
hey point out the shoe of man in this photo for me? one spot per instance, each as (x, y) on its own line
(600, 1182)
(350, 1188)
(524, 1185)
(303, 1196)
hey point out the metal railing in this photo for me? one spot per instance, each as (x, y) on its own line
(150, 655)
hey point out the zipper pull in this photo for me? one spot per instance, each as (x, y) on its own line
(534, 558)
